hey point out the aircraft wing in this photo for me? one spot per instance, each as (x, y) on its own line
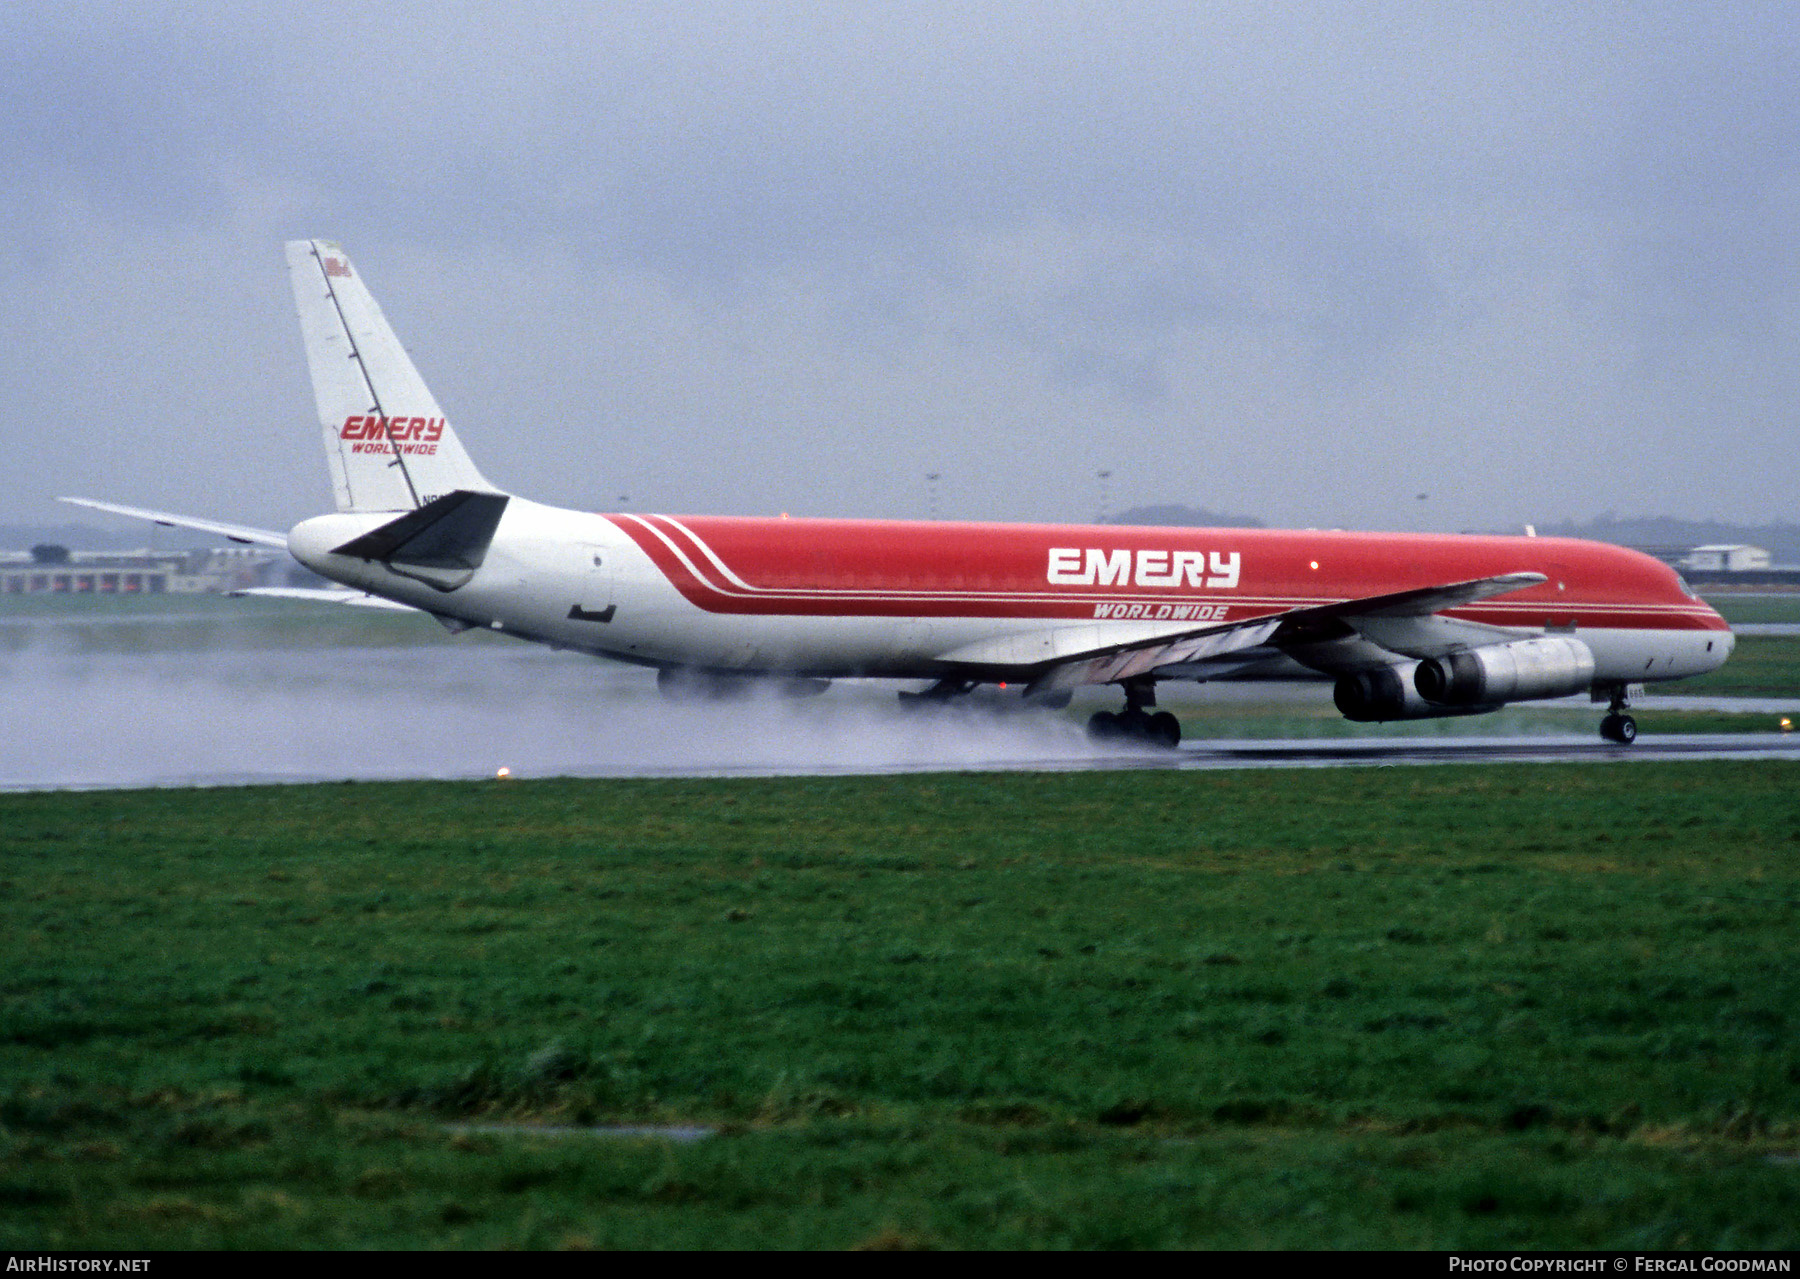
(1426, 600)
(1403, 621)
(236, 532)
(325, 595)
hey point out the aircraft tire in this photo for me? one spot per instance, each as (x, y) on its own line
(1621, 729)
(1105, 726)
(1163, 730)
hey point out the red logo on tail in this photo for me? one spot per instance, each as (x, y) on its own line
(337, 266)
(372, 433)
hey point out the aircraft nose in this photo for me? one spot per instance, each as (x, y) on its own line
(1719, 647)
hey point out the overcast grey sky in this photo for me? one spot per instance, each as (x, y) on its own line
(1302, 260)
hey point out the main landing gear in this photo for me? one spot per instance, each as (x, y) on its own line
(1136, 723)
(1618, 726)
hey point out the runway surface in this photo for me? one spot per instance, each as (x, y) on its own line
(1486, 750)
(78, 719)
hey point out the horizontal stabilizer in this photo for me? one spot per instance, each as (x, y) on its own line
(441, 544)
(236, 532)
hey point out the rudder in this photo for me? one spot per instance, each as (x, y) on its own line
(387, 443)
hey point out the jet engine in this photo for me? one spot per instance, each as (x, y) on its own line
(1388, 693)
(1548, 666)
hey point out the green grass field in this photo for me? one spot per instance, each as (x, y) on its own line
(1425, 1007)
(1760, 666)
(1757, 607)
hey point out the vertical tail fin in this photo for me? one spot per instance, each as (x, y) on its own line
(387, 442)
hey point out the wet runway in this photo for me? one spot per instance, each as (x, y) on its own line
(1486, 750)
(82, 719)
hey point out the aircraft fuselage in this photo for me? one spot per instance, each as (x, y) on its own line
(834, 598)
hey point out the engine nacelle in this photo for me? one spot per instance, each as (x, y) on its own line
(1548, 666)
(1388, 693)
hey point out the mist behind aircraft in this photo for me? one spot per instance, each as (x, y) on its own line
(77, 717)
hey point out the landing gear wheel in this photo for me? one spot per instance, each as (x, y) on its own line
(1161, 729)
(1619, 728)
(1164, 730)
(1104, 726)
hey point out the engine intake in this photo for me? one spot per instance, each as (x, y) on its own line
(1548, 666)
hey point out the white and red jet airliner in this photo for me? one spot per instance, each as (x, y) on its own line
(1409, 626)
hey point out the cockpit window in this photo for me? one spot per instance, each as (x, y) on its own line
(1685, 588)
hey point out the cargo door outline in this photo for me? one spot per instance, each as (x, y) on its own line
(593, 585)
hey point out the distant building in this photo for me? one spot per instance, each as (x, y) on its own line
(139, 572)
(1675, 556)
(1725, 558)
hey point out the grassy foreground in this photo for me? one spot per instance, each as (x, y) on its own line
(1423, 1007)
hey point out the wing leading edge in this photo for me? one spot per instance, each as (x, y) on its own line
(236, 532)
(1397, 615)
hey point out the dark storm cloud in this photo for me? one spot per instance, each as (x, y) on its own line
(1305, 261)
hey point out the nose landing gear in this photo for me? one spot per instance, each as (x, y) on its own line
(1618, 727)
(1136, 723)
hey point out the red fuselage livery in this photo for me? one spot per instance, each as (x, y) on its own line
(880, 568)
(1477, 620)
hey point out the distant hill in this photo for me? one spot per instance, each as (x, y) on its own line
(1170, 513)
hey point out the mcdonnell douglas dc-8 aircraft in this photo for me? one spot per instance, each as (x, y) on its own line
(1410, 626)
